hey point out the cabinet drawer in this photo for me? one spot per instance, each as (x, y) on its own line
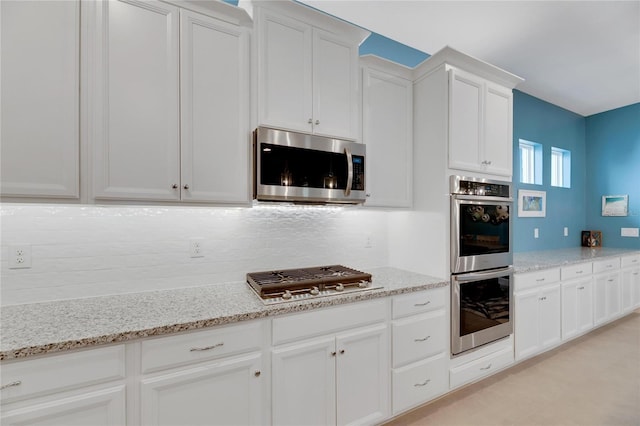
(422, 301)
(535, 279)
(418, 383)
(606, 265)
(325, 321)
(418, 337)
(166, 352)
(34, 377)
(481, 367)
(628, 261)
(576, 271)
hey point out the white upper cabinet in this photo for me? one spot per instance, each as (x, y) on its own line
(468, 105)
(169, 104)
(40, 99)
(307, 70)
(387, 130)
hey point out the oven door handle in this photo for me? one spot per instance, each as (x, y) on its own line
(484, 275)
(482, 198)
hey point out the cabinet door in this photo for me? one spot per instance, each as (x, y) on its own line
(40, 98)
(134, 100)
(549, 316)
(630, 288)
(363, 372)
(498, 135)
(335, 86)
(222, 393)
(599, 299)
(96, 408)
(465, 120)
(527, 328)
(387, 105)
(577, 307)
(614, 306)
(284, 73)
(215, 134)
(304, 383)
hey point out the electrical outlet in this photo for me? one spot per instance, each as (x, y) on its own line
(19, 257)
(566, 231)
(536, 233)
(367, 242)
(196, 247)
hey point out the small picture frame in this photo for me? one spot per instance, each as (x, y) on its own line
(532, 203)
(615, 205)
(591, 239)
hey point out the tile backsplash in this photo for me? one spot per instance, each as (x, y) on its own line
(84, 251)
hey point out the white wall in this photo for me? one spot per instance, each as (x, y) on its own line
(83, 251)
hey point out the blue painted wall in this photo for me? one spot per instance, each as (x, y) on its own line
(613, 168)
(384, 47)
(539, 121)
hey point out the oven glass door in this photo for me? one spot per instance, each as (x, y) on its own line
(482, 308)
(481, 236)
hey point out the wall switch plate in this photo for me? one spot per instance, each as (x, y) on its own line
(196, 247)
(536, 233)
(566, 231)
(630, 232)
(20, 257)
(367, 241)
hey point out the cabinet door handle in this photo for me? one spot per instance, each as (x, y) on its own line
(422, 304)
(425, 383)
(257, 373)
(486, 368)
(186, 187)
(424, 339)
(333, 353)
(341, 351)
(310, 121)
(317, 122)
(10, 385)
(206, 348)
(174, 186)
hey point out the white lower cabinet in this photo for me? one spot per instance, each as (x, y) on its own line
(208, 377)
(85, 388)
(336, 378)
(577, 307)
(481, 367)
(607, 290)
(537, 312)
(227, 392)
(419, 348)
(630, 276)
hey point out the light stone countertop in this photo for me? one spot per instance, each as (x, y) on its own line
(48, 327)
(39, 328)
(538, 260)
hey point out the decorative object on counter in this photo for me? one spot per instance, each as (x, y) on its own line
(532, 203)
(591, 239)
(615, 205)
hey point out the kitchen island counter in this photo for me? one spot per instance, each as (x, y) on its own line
(48, 327)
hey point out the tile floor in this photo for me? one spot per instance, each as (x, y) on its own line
(592, 380)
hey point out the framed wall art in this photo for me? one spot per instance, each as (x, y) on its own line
(532, 203)
(615, 205)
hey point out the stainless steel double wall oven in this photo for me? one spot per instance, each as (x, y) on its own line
(481, 262)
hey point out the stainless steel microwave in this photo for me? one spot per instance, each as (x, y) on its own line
(300, 167)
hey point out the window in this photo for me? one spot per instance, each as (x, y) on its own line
(530, 162)
(560, 167)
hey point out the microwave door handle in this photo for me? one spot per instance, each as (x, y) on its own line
(485, 275)
(347, 190)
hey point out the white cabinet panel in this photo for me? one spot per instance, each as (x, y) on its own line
(387, 131)
(607, 294)
(136, 136)
(285, 76)
(214, 124)
(577, 307)
(222, 393)
(419, 337)
(419, 382)
(40, 99)
(498, 144)
(465, 122)
(537, 320)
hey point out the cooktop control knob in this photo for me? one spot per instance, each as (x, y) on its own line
(339, 287)
(286, 295)
(314, 291)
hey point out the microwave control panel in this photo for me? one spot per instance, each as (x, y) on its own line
(358, 173)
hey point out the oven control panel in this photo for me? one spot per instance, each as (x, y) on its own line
(480, 187)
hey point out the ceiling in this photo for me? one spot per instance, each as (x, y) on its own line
(583, 56)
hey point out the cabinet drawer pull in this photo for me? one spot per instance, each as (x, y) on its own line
(540, 280)
(610, 280)
(257, 373)
(635, 273)
(10, 385)
(424, 339)
(578, 272)
(422, 304)
(486, 368)
(206, 348)
(580, 288)
(425, 383)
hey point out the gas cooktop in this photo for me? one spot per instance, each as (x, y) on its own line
(306, 283)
